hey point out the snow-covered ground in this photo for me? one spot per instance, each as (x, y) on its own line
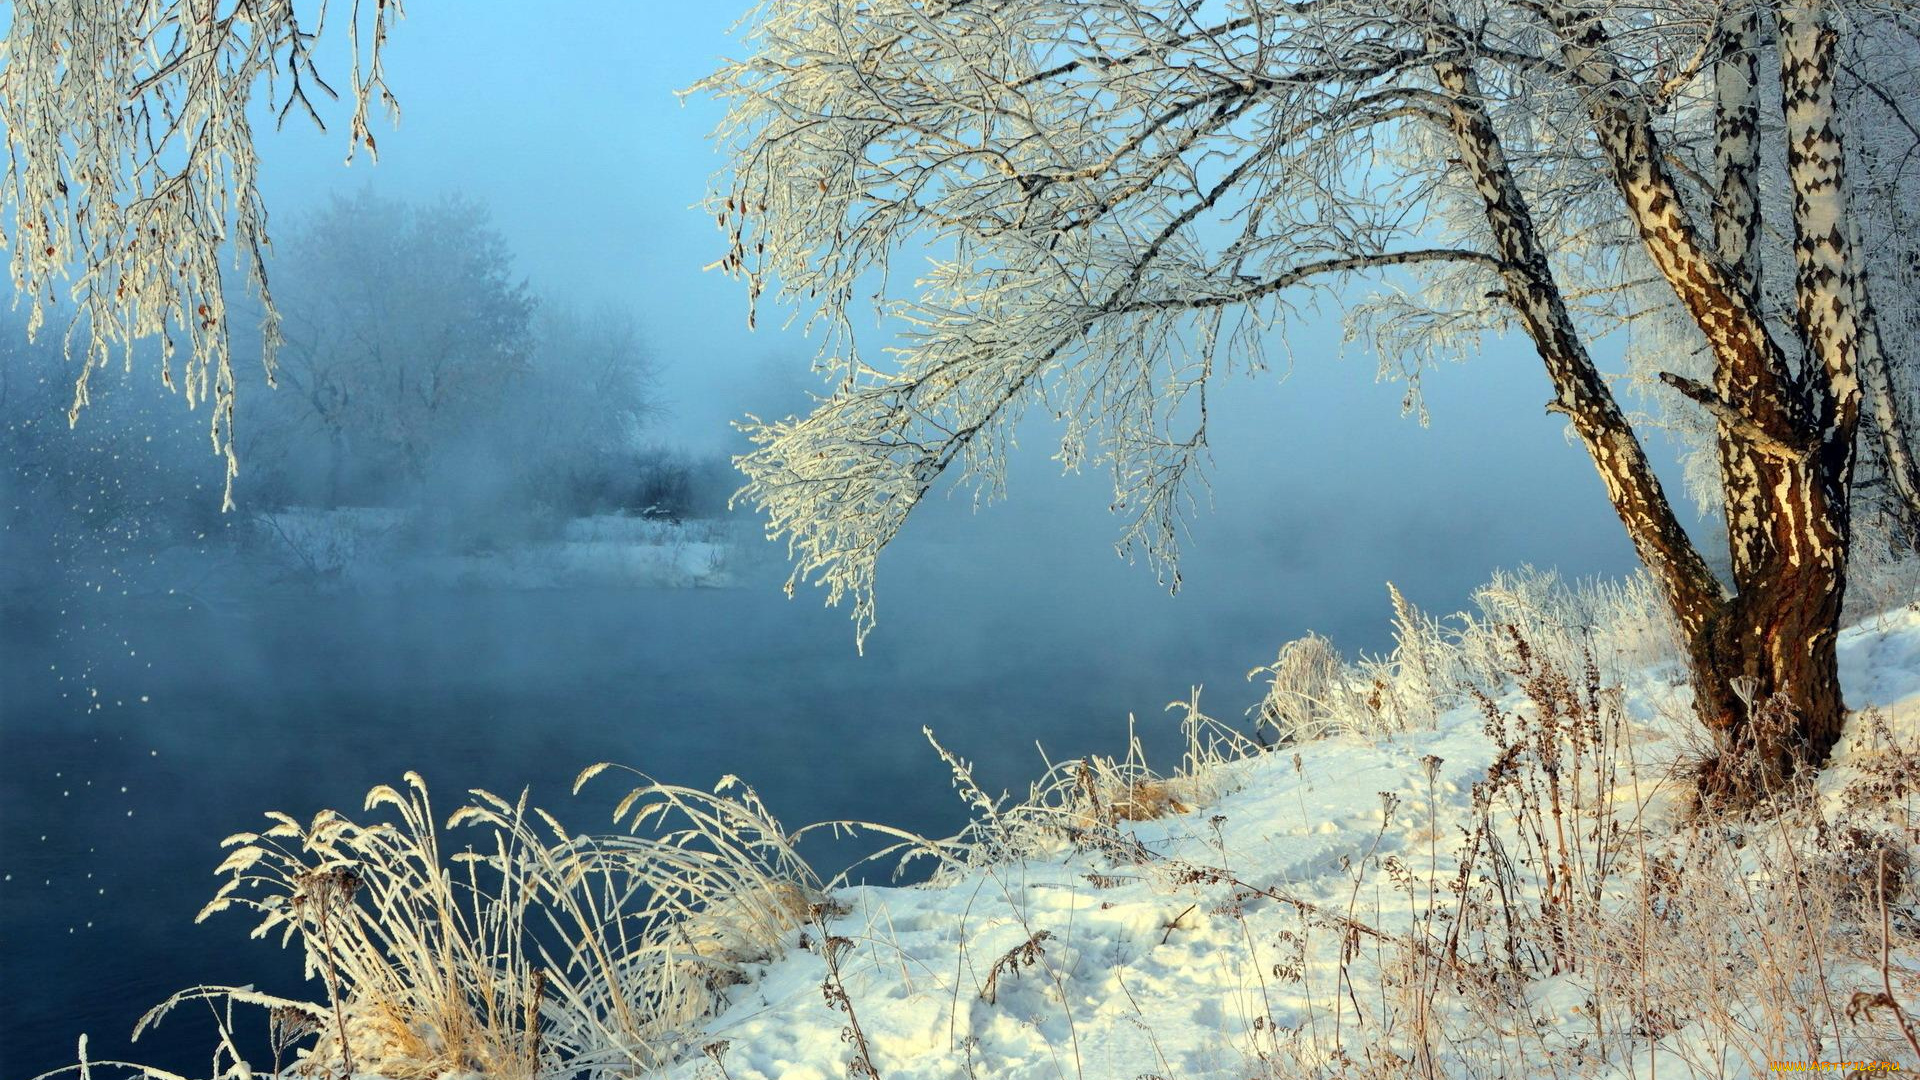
(1490, 865)
(1289, 925)
(370, 547)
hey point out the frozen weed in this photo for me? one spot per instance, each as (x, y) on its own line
(530, 952)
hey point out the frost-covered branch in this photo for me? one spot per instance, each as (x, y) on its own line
(1119, 201)
(132, 171)
(1115, 204)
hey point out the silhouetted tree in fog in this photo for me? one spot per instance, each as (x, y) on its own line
(402, 327)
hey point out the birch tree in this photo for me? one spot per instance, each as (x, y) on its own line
(1879, 85)
(1878, 80)
(1126, 201)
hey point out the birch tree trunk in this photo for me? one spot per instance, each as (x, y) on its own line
(1763, 661)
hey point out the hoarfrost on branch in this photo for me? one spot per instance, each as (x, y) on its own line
(131, 168)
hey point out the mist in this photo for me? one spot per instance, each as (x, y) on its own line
(535, 566)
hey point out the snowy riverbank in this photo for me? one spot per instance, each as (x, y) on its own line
(1306, 920)
(376, 548)
(1477, 857)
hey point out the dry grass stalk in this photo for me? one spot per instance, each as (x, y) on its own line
(533, 952)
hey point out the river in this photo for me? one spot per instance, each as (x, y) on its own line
(137, 730)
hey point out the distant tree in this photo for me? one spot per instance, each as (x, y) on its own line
(131, 173)
(401, 327)
(578, 414)
(1125, 200)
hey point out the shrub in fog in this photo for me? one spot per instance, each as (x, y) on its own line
(417, 370)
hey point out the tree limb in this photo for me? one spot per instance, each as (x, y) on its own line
(1735, 421)
(1302, 273)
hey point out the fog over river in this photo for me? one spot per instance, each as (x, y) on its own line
(154, 701)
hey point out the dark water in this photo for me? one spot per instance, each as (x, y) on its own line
(137, 730)
(135, 735)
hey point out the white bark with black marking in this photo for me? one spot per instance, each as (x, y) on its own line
(1827, 290)
(1581, 393)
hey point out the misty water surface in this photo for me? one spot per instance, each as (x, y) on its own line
(110, 817)
(139, 730)
(136, 730)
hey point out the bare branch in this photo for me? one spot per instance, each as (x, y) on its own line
(1735, 421)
